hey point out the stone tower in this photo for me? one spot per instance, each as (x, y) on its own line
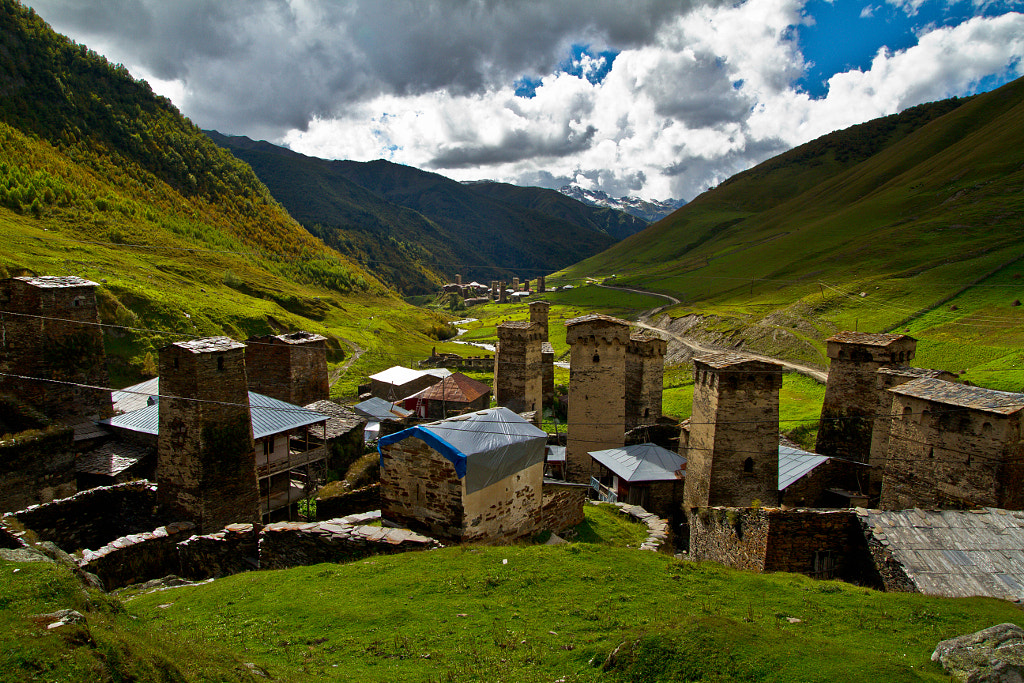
(288, 367)
(540, 284)
(539, 315)
(517, 367)
(206, 463)
(597, 394)
(733, 450)
(645, 372)
(51, 331)
(851, 394)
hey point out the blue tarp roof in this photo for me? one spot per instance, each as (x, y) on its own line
(269, 416)
(642, 462)
(484, 446)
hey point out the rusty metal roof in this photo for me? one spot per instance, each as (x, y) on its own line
(867, 338)
(955, 553)
(962, 395)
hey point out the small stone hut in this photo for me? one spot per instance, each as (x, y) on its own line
(475, 477)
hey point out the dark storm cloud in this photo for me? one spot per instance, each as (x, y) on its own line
(271, 64)
(515, 146)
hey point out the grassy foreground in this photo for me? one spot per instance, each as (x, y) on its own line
(501, 613)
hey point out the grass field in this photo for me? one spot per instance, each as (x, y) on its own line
(486, 613)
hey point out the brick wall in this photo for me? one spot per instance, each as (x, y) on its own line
(93, 518)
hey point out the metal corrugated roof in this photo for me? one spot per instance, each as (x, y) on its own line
(269, 416)
(642, 462)
(136, 396)
(378, 409)
(795, 464)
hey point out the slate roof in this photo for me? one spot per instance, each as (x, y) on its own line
(642, 462)
(546, 347)
(867, 338)
(378, 409)
(111, 458)
(721, 360)
(794, 464)
(907, 371)
(340, 419)
(55, 281)
(209, 344)
(596, 317)
(269, 416)
(955, 553)
(962, 395)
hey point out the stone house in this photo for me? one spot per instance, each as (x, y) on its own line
(456, 393)
(953, 446)
(643, 474)
(397, 382)
(475, 477)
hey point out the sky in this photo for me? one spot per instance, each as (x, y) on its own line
(646, 98)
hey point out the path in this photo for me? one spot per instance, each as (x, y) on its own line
(645, 318)
(340, 370)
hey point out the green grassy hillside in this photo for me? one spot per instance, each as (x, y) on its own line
(470, 613)
(100, 178)
(912, 223)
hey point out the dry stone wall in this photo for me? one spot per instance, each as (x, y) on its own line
(230, 551)
(137, 558)
(349, 502)
(291, 544)
(93, 518)
(37, 466)
(562, 505)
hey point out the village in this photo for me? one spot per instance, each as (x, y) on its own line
(209, 468)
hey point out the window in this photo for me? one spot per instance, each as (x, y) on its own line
(597, 358)
(748, 466)
(220, 363)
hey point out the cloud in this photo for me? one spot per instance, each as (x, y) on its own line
(659, 98)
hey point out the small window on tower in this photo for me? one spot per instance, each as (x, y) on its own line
(597, 358)
(220, 362)
(748, 465)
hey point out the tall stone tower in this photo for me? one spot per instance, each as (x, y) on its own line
(539, 314)
(733, 450)
(206, 463)
(597, 389)
(51, 331)
(288, 367)
(517, 368)
(645, 372)
(851, 394)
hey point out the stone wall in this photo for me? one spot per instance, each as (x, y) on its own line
(948, 457)
(348, 502)
(811, 490)
(232, 550)
(51, 330)
(36, 466)
(290, 544)
(507, 509)
(597, 399)
(562, 506)
(137, 558)
(93, 518)
(817, 543)
(420, 489)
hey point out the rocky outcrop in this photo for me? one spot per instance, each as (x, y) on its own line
(992, 655)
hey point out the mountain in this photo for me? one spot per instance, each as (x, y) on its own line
(647, 211)
(611, 221)
(101, 178)
(909, 223)
(425, 221)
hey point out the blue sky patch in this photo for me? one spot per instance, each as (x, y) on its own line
(581, 63)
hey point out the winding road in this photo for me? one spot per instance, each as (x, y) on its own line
(645, 319)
